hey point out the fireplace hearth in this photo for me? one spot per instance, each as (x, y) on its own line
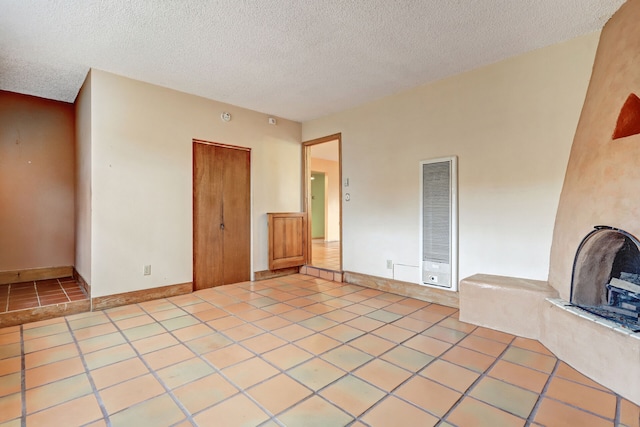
(606, 276)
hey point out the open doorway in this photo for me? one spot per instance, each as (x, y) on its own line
(323, 201)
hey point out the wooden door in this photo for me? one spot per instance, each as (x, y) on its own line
(287, 240)
(221, 215)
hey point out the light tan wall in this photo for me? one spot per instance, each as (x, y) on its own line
(331, 170)
(36, 182)
(510, 123)
(83, 181)
(141, 172)
(603, 176)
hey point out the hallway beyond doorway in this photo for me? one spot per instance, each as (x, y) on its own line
(326, 255)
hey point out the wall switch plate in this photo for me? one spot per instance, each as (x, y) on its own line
(389, 264)
(147, 270)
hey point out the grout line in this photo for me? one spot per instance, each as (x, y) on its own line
(88, 371)
(64, 291)
(616, 418)
(23, 380)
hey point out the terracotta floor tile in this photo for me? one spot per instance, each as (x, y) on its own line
(205, 392)
(318, 323)
(129, 393)
(505, 396)
(407, 358)
(192, 332)
(553, 413)
(14, 364)
(211, 313)
(347, 358)
(118, 372)
(317, 343)
(353, 395)
(287, 356)
(343, 333)
(453, 323)
(75, 412)
(428, 345)
(279, 393)
(341, 316)
(95, 319)
(228, 356)
(135, 321)
(58, 392)
(208, 343)
(253, 315)
(196, 307)
(533, 345)
(184, 372)
(360, 309)
(236, 411)
(427, 316)
(519, 375)
(52, 372)
(156, 305)
(451, 375)
(315, 412)
(250, 372)
(428, 395)
(297, 315)
(472, 412)
(365, 323)
(168, 356)
(319, 308)
(224, 323)
(92, 344)
(629, 414)
(272, 323)
(278, 308)
(382, 374)
(124, 312)
(144, 331)
(156, 342)
(530, 359)
(45, 356)
(168, 314)
(243, 332)
(469, 359)
(11, 407)
(400, 309)
(11, 383)
(263, 343)
(372, 344)
(160, 410)
(384, 316)
(386, 414)
(316, 373)
(493, 335)
(597, 401)
(414, 325)
(50, 341)
(95, 331)
(567, 372)
(108, 356)
(483, 345)
(451, 336)
(9, 351)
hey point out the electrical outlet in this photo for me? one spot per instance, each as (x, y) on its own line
(147, 270)
(389, 264)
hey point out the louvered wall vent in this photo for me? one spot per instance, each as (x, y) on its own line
(439, 222)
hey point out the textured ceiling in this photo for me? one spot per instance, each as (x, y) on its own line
(294, 59)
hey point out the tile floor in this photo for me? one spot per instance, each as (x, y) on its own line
(325, 254)
(292, 351)
(18, 296)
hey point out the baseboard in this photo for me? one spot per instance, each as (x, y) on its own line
(423, 293)
(31, 274)
(109, 301)
(269, 274)
(36, 314)
(83, 283)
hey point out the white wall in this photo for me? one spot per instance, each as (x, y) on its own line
(83, 181)
(142, 178)
(510, 123)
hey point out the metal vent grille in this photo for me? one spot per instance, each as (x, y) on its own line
(436, 212)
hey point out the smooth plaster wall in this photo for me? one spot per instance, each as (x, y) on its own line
(331, 170)
(83, 181)
(141, 171)
(603, 177)
(511, 125)
(36, 182)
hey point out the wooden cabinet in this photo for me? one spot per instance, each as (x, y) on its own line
(287, 239)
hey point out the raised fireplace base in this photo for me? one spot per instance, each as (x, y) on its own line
(598, 348)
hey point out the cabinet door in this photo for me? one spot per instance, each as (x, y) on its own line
(287, 240)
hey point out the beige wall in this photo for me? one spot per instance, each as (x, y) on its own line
(601, 185)
(36, 182)
(510, 123)
(83, 181)
(331, 171)
(141, 178)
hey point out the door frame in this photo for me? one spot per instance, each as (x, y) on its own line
(195, 141)
(306, 187)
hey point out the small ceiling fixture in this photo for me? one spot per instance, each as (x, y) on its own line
(225, 116)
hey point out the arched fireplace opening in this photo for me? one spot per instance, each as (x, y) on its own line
(606, 276)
